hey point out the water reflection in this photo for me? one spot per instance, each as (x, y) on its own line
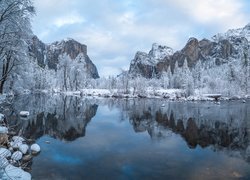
(225, 128)
(61, 117)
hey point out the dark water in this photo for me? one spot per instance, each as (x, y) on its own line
(135, 139)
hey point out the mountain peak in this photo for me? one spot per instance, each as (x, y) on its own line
(159, 51)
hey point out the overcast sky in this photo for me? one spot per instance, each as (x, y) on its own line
(114, 30)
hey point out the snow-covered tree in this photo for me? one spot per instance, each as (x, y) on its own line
(15, 29)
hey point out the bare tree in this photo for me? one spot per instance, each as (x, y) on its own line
(15, 29)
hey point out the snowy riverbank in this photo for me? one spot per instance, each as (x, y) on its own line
(16, 153)
(168, 94)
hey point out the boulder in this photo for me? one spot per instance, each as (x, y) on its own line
(35, 148)
(3, 130)
(17, 156)
(2, 117)
(4, 153)
(24, 113)
(24, 148)
(12, 172)
(3, 163)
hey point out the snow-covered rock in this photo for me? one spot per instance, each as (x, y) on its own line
(15, 144)
(24, 148)
(17, 156)
(144, 64)
(2, 116)
(17, 139)
(3, 163)
(43, 67)
(4, 153)
(3, 129)
(239, 32)
(158, 52)
(24, 113)
(12, 172)
(35, 148)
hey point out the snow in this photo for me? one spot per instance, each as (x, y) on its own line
(2, 117)
(17, 156)
(17, 139)
(171, 94)
(3, 163)
(35, 148)
(4, 153)
(24, 113)
(12, 172)
(3, 129)
(24, 148)
(239, 32)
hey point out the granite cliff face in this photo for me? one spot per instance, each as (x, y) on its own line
(49, 54)
(221, 47)
(60, 66)
(145, 64)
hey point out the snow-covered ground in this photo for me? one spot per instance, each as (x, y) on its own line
(170, 94)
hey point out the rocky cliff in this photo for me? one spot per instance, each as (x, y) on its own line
(49, 54)
(145, 64)
(60, 66)
(220, 48)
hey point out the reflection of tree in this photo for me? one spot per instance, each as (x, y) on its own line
(60, 117)
(222, 133)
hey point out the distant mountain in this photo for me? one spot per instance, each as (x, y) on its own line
(48, 54)
(61, 66)
(145, 64)
(220, 48)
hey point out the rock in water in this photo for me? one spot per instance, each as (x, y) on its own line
(15, 144)
(17, 139)
(27, 158)
(3, 139)
(4, 153)
(17, 156)
(24, 148)
(3, 163)
(12, 172)
(2, 117)
(3, 130)
(24, 113)
(35, 148)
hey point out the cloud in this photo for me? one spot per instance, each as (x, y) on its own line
(114, 30)
(70, 19)
(225, 13)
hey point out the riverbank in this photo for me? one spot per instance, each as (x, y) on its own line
(168, 94)
(16, 153)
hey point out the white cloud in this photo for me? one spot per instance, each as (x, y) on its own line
(225, 13)
(68, 20)
(113, 29)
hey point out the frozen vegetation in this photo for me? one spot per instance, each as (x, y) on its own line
(221, 66)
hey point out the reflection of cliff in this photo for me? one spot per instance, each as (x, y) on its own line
(220, 128)
(60, 117)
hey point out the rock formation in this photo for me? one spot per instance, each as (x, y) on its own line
(220, 48)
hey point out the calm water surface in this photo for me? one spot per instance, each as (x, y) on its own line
(135, 139)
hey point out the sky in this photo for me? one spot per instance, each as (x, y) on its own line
(114, 30)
